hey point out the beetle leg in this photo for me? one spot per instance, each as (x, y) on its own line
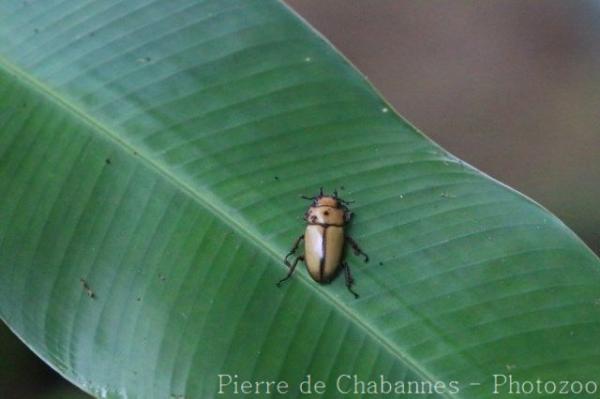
(356, 248)
(349, 279)
(347, 215)
(293, 250)
(292, 268)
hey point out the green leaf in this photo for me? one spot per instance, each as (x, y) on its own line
(152, 155)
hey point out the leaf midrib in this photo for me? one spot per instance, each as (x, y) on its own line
(206, 200)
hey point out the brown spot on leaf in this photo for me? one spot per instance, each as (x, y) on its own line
(86, 287)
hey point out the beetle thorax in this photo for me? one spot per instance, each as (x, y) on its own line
(325, 215)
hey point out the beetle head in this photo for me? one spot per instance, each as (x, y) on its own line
(324, 200)
(328, 200)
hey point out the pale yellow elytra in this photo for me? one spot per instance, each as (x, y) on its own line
(324, 240)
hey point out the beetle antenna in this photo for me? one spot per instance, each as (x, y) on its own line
(335, 194)
(321, 192)
(307, 198)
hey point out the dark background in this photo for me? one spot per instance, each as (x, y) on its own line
(512, 87)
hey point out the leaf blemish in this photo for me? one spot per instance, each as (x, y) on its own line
(108, 161)
(86, 287)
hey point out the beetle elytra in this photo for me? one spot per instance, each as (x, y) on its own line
(324, 240)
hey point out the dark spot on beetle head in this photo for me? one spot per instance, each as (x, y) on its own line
(313, 218)
(326, 213)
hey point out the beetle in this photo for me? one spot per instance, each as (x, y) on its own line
(324, 240)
